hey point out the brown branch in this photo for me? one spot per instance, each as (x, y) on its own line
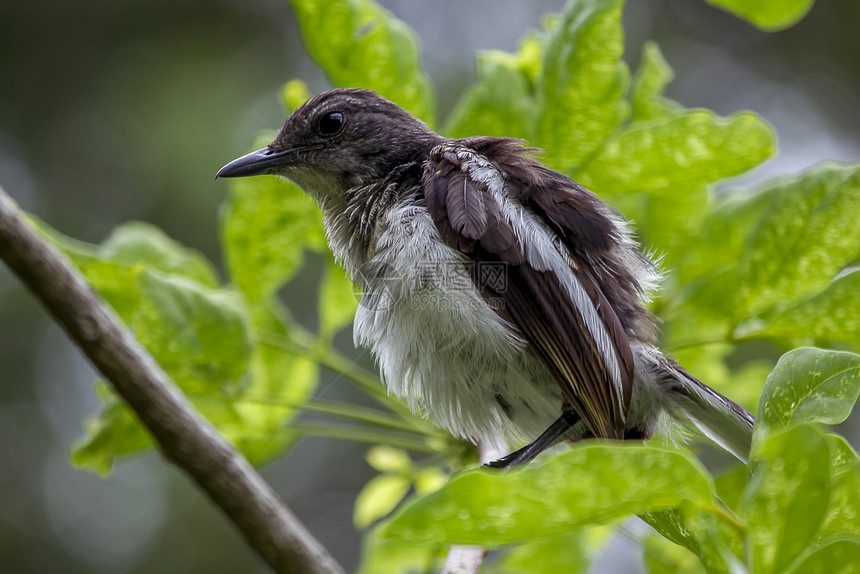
(186, 439)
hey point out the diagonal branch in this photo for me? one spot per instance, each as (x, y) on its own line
(185, 438)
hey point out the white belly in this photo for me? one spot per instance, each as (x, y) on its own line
(441, 346)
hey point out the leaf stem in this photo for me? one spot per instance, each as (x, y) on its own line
(370, 416)
(304, 344)
(723, 512)
(701, 343)
(334, 408)
(359, 434)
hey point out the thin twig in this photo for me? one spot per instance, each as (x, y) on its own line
(355, 413)
(303, 344)
(358, 434)
(185, 438)
(701, 343)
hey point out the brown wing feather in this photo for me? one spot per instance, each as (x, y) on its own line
(465, 206)
(469, 219)
(559, 338)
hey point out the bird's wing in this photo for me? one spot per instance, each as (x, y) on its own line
(519, 242)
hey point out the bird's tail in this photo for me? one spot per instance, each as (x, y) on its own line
(721, 420)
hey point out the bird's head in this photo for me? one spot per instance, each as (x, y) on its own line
(338, 140)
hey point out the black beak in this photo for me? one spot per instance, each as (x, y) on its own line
(258, 162)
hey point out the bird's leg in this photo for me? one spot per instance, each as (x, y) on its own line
(548, 438)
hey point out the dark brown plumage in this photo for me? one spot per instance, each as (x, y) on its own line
(545, 316)
(550, 331)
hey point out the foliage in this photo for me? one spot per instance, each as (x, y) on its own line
(769, 15)
(771, 266)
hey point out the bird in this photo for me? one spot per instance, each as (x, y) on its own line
(500, 299)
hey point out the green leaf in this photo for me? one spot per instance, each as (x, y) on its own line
(113, 267)
(843, 457)
(809, 385)
(837, 555)
(679, 152)
(806, 235)
(687, 150)
(671, 160)
(137, 243)
(702, 281)
(430, 479)
(134, 244)
(769, 15)
(293, 94)
(337, 299)
(266, 225)
(386, 458)
(672, 155)
(251, 412)
(380, 555)
(198, 335)
(843, 515)
(672, 221)
(832, 314)
(701, 533)
(787, 497)
(721, 242)
(500, 103)
(612, 482)
(379, 497)
(112, 435)
(279, 381)
(663, 557)
(697, 312)
(359, 44)
(581, 92)
(651, 78)
(731, 484)
(116, 283)
(571, 553)
(167, 295)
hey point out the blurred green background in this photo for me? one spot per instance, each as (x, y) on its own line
(118, 111)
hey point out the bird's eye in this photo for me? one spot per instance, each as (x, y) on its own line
(331, 123)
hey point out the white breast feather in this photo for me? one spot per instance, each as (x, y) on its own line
(442, 348)
(439, 344)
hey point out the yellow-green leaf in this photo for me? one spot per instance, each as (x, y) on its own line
(806, 234)
(679, 151)
(651, 78)
(770, 15)
(836, 555)
(809, 385)
(580, 93)
(612, 482)
(787, 497)
(570, 554)
(832, 314)
(386, 458)
(266, 226)
(499, 104)
(338, 299)
(378, 498)
(359, 44)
